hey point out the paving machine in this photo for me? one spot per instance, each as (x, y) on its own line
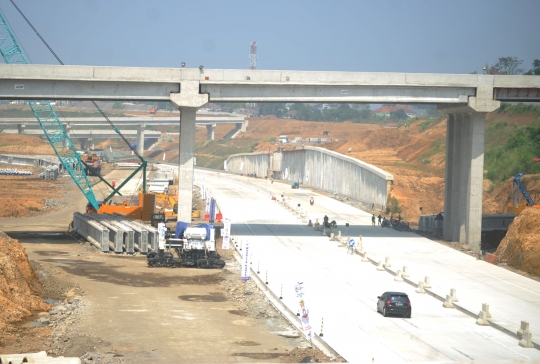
(194, 245)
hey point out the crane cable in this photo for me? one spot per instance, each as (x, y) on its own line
(62, 63)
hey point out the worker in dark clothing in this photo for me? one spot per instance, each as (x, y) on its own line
(311, 201)
(399, 217)
(325, 220)
(379, 218)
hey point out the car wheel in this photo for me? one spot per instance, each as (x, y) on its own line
(408, 315)
(384, 311)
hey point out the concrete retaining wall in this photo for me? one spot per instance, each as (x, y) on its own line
(321, 169)
(249, 163)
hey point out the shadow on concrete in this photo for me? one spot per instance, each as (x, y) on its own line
(304, 230)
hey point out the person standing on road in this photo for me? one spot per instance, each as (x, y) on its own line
(311, 201)
(379, 219)
(373, 220)
(113, 184)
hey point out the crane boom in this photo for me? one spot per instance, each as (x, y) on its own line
(47, 118)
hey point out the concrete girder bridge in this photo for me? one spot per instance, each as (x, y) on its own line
(465, 98)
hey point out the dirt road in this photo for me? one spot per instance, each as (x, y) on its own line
(119, 310)
(152, 315)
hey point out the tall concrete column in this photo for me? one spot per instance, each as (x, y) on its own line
(187, 101)
(185, 168)
(210, 131)
(456, 172)
(20, 128)
(476, 180)
(140, 139)
(84, 143)
(447, 222)
(464, 176)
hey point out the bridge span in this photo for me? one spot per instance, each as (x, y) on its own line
(465, 98)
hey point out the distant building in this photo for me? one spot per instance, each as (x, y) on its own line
(283, 139)
(387, 110)
(290, 114)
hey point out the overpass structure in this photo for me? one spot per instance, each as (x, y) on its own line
(465, 98)
(209, 120)
(85, 136)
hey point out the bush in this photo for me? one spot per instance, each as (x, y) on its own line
(270, 139)
(32, 208)
(392, 205)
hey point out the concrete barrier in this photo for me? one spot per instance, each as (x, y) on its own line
(398, 277)
(482, 319)
(380, 267)
(420, 288)
(524, 327)
(448, 302)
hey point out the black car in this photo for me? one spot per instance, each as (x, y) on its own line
(396, 303)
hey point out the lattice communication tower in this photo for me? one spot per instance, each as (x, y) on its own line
(253, 56)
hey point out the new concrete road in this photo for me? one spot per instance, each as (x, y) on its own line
(343, 290)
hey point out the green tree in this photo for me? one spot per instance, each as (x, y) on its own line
(508, 66)
(536, 68)
(399, 114)
(271, 109)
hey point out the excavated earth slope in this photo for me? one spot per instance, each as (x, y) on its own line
(521, 248)
(19, 285)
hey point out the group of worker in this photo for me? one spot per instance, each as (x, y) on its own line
(382, 220)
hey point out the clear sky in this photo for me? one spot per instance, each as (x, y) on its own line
(450, 36)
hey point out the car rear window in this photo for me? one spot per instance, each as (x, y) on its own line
(404, 299)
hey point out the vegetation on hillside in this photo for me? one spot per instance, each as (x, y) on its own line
(510, 148)
(212, 154)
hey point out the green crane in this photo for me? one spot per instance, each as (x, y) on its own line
(48, 119)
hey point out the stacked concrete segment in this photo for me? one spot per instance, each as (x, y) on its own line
(91, 230)
(116, 233)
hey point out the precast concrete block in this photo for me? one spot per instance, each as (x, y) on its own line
(448, 302)
(331, 237)
(364, 256)
(524, 328)
(387, 262)
(453, 295)
(526, 341)
(405, 272)
(339, 235)
(485, 308)
(380, 267)
(398, 277)
(420, 288)
(482, 319)
(427, 282)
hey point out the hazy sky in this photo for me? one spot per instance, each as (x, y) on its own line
(450, 36)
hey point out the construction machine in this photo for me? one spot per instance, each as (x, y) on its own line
(194, 245)
(170, 214)
(517, 206)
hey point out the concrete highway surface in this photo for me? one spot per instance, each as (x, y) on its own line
(343, 290)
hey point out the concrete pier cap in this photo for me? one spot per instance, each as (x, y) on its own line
(187, 101)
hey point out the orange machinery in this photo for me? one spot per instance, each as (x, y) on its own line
(143, 211)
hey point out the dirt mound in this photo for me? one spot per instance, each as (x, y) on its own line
(19, 286)
(520, 248)
(24, 144)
